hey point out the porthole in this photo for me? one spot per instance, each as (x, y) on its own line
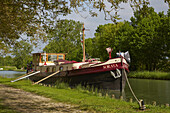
(61, 68)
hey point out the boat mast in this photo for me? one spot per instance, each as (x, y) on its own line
(84, 57)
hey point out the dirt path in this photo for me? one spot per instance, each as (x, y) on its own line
(27, 102)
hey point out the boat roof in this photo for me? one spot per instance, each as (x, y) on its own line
(48, 53)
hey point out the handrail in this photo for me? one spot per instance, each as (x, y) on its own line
(26, 76)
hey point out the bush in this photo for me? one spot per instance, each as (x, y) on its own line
(150, 75)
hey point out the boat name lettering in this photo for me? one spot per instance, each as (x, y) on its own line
(110, 66)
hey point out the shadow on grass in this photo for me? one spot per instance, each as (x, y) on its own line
(5, 109)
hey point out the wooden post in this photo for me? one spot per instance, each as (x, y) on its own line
(100, 94)
(46, 77)
(131, 100)
(167, 105)
(121, 97)
(154, 103)
(107, 95)
(113, 96)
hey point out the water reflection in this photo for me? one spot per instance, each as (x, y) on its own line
(11, 74)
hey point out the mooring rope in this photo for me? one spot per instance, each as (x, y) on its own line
(131, 89)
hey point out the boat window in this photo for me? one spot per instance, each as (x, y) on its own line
(43, 57)
(60, 57)
(52, 57)
(61, 68)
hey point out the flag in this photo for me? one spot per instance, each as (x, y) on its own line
(127, 56)
(109, 50)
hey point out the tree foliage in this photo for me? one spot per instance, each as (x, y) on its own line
(34, 18)
(107, 36)
(66, 38)
(22, 54)
(6, 61)
(147, 37)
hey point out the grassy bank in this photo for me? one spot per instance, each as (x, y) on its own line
(150, 75)
(85, 99)
(10, 68)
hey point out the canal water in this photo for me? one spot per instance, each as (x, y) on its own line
(11, 74)
(146, 89)
(150, 90)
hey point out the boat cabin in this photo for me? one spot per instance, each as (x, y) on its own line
(41, 59)
(52, 62)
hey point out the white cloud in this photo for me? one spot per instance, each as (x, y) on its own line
(159, 5)
(92, 22)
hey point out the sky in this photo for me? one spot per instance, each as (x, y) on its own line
(92, 23)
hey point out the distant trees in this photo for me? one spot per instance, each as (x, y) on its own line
(19, 56)
(22, 54)
(6, 61)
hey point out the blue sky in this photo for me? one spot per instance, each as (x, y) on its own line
(92, 22)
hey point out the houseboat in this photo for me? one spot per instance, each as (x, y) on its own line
(105, 75)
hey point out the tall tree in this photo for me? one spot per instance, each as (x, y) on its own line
(149, 41)
(107, 36)
(66, 38)
(92, 47)
(146, 39)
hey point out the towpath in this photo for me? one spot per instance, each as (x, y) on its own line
(26, 102)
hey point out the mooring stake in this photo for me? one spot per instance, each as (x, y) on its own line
(107, 95)
(142, 105)
(121, 97)
(130, 100)
(154, 103)
(113, 96)
(100, 94)
(167, 105)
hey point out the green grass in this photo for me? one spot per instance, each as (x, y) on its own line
(84, 98)
(150, 75)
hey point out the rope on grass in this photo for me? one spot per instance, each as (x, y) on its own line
(131, 88)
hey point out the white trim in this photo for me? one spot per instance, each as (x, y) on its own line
(110, 61)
